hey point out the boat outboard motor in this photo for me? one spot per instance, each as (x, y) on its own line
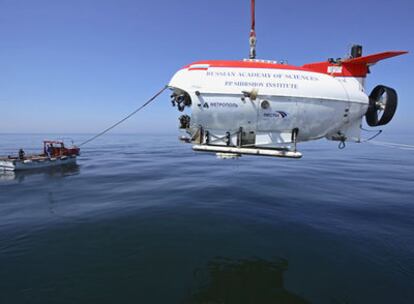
(382, 106)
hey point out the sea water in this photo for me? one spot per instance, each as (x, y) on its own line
(144, 219)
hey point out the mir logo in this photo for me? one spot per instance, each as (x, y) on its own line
(281, 113)
(276, 114)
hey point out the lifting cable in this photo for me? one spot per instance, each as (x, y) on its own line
(252, 37)
(125, 118)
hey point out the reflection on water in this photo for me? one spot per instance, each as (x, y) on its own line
(228, 281)
(7, 175)
(51, 172)
(132, 223)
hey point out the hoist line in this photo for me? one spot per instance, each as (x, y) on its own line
(252, 35)
(253, 17)
(125, 118)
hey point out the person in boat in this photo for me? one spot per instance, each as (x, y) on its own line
(49, 150)
(21, 154)
(52, 150)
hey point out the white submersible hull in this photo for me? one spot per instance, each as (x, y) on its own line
(255, 104)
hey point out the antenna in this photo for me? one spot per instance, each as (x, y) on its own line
(252, 38)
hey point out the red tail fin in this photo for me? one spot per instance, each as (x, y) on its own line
(352, 67)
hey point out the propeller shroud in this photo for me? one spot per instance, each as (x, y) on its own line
(382, 106)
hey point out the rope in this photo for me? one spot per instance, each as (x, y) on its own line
(377, 133)
(373, 136)
(252, 37)
(383, 143)
(392, 145)
(253, 26)
(125, 118)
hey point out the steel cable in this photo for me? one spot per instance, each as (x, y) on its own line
(125, 118)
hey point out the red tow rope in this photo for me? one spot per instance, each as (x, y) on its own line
(252, 38)
(253, 17)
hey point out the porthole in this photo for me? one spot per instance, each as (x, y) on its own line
(265, 104)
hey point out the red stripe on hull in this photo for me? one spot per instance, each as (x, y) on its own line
(198, 69)
(244, 64)
(354, 67)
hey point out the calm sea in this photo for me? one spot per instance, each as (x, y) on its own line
(143, 219)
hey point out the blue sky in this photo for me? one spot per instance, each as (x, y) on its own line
(80, 65)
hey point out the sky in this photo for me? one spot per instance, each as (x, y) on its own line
(78, 66)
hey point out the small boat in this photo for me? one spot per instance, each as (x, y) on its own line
(54, 154)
